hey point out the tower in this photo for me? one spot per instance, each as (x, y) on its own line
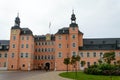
(68, 40)
(13, 56)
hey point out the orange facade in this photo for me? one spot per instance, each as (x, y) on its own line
(47, 52)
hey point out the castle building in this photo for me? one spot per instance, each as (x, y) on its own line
(25, 51)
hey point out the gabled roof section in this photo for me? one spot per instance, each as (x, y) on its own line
(4, 45)
(26, 31)
(64, 30)
(4, 42)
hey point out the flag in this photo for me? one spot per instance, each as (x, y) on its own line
(49, 24)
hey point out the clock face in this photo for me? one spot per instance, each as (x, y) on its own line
(14, 31)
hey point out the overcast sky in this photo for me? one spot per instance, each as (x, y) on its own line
(96, 18)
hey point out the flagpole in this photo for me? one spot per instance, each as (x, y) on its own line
(49, 27)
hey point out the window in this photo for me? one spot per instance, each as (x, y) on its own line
(45, 50)
(73, 28)
(27, 45)
(114, 63)
(21, 55)
(45, 57)
(35, 50)
(59, 54)
(52, 57)
(0, 55)
(5, 55)
(23, 65)
(88, 64)
(38, 57)
(67, 45)
(27, 37)
(73, 44)
(42, 43)
(45, 43)
(59, 37)
(42, 49)
(94, 54)
(22, 38)
(26, 55)
(12, 55)
(39, 50)
(0, 47)
(52, 49)
(101, 54)
(73, 36)
(11, 66)
(35, 57)
(60, 45)
(95, 63)
(48, 49)
(88, 54)
(81, 54)
(42, 57)
(14, 37)
(48, 43)
(48, 56)
(73, 53)
(22, 45)
(4, 64)
(52, 43)
(13, 46)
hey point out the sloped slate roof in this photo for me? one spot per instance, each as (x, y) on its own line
(4, 45)
(26, 31)
(101, 44)
(43, 37)
(65, 30)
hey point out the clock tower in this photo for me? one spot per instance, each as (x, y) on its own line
(13, 56)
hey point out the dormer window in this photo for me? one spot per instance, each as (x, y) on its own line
(63, 31)
(91, 42)
(104, 42)
(0, 46)
(7, 47)
(24, 32)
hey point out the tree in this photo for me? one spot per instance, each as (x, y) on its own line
(118, 62)
(109, 56)
(74, 63)
(100, 61)
(66, 62)
(83, 63)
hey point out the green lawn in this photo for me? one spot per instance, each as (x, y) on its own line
(83, 76)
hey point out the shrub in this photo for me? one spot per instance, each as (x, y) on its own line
(106, 67)
(103, 69)
(94, 71)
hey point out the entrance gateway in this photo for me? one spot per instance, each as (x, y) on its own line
(47, 66)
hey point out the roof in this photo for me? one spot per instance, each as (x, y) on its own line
(4, 45)
(4, 42)
(64, 30)
(43, 37)
(101, 44)
(73, 25)
(26, 31)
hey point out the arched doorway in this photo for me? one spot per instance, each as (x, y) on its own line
(47, 66)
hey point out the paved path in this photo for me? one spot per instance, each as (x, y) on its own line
(53, 75)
